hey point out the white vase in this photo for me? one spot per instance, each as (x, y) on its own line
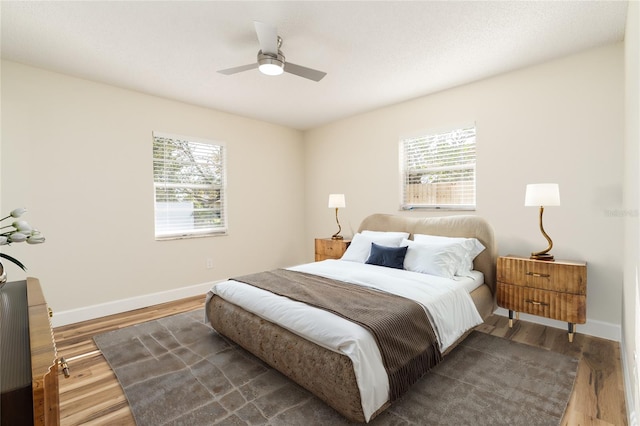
(3, 276)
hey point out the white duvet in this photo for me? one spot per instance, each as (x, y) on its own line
(447, 302)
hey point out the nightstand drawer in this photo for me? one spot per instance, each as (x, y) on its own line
(326, 248)
(567, 307)
(559, 276)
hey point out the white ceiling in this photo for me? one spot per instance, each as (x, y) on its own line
(375, 53)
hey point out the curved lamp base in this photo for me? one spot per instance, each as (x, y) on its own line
(337, 235)
(544, 254)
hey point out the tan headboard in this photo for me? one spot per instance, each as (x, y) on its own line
(448, 226)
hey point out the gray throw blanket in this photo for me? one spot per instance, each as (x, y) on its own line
(400, 326)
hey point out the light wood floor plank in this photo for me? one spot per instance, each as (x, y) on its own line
(92, 395)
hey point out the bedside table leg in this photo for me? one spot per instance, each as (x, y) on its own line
(572, 330)
(510, 318)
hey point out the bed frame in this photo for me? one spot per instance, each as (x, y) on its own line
(327, 374)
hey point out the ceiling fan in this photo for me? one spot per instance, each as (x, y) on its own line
(271, 61)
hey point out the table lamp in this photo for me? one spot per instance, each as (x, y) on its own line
(336, 201)
(542, 194)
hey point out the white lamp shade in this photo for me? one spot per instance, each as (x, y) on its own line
(336, 201)
(542, 194)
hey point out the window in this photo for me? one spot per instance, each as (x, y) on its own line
(189, 184)
(439, 170)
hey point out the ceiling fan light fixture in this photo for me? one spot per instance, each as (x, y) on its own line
(270, 65)
(271, 69)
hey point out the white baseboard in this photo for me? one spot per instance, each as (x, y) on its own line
(595, 328)
(118, 306)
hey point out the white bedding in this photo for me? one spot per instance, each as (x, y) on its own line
(448, 302)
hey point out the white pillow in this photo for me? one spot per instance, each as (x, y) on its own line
(438, 259)
(472, 246)
(360, 247)
(386, 234)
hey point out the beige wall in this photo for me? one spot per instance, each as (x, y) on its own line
(78, 155)
(558, 122)
(630, 294)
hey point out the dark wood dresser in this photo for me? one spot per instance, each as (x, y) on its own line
(28, 357)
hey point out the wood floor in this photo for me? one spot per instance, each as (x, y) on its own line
(93, 396)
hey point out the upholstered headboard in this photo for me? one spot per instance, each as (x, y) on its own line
(448, 226)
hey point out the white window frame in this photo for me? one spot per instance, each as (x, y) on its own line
(423, 157)
(176, 220)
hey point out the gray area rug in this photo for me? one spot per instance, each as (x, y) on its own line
(179, 371)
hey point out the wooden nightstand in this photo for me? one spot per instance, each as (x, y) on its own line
(556, 290)
(326, 248)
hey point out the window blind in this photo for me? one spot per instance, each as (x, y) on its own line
(439, 170)
(189, 186)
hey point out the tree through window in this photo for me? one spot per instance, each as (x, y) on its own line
(189, 183)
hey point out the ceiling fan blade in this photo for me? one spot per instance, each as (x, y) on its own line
(267, 37)
(305, 72)
(235, 70)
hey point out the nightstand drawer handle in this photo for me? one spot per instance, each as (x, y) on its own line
(535, 274)
(533, 302)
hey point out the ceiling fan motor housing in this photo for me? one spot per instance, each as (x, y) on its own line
(271, 64)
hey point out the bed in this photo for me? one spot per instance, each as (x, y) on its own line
(303, 342)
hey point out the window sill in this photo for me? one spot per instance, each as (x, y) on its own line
(189, 236)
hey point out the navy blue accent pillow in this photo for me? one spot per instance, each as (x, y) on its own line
(391, 257)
